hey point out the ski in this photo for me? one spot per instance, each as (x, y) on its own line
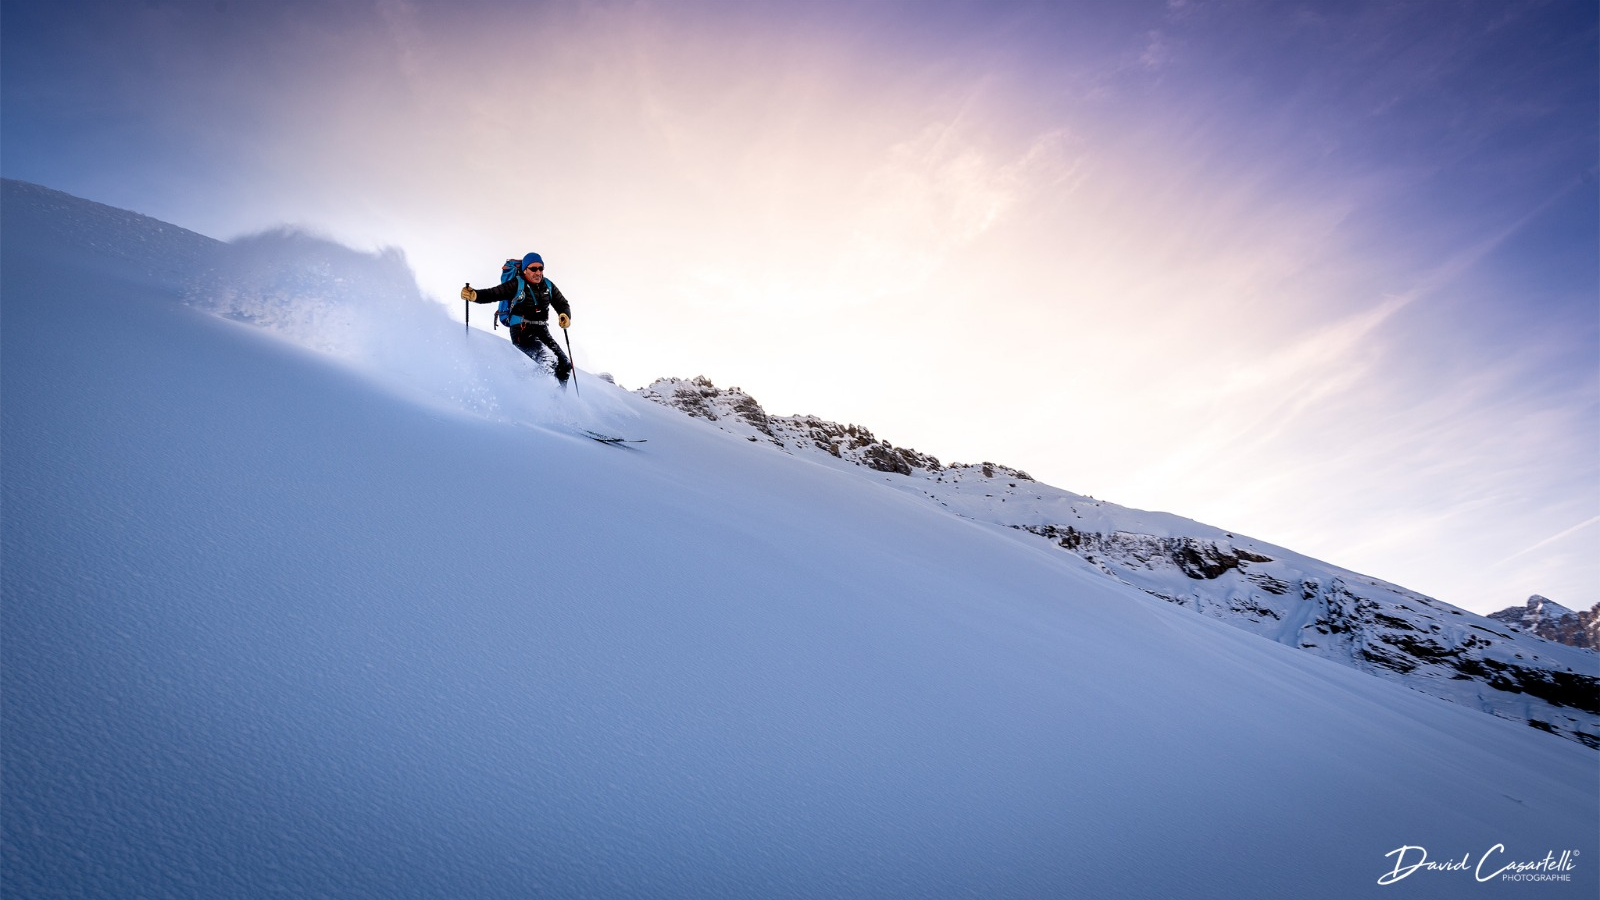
(609, 439)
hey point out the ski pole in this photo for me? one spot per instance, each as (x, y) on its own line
(466, 309)
(572, 362)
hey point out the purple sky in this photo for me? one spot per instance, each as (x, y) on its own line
(1323, 273)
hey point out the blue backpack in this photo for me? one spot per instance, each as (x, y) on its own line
(502, 313)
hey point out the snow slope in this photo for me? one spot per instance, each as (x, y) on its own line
(290, 610)
(1340, 615)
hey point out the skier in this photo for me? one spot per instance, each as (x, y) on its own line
(528, 317)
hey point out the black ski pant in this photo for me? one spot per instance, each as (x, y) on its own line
(529, 337)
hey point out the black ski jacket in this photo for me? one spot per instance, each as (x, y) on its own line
(536, 300)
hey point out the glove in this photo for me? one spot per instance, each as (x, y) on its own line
(563, 319)
(467, 293)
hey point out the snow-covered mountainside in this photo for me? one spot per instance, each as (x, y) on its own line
(309, 592)
(1549, 619)
(1351, 619)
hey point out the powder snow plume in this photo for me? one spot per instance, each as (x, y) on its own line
(365, 310)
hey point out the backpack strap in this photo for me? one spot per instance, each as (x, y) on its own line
(502, 313)
(510, 269)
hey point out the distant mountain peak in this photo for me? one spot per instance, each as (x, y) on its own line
(1552, 621)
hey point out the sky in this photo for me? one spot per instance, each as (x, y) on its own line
(1327, 274)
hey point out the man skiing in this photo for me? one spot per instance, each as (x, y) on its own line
(531, 298)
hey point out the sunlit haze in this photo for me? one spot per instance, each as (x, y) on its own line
(1324, 273)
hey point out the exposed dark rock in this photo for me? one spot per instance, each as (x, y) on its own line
(1421, 648)
(1254, 610)
(1268, 583)
(701, 398)
(1580, 692)
(1392, 622)
(1197, 558)
(1554, 622)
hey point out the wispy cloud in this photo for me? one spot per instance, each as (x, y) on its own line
(1548, 541)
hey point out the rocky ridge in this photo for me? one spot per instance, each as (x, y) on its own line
(738, 412)
(1508, 670)
(1552, 621)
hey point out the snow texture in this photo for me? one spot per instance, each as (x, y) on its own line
(337, 605)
